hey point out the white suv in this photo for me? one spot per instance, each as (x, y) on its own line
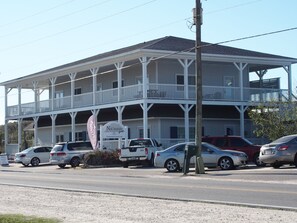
(69, 153)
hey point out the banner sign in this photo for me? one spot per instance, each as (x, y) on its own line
(92, 131)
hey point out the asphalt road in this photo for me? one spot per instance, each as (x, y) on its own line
(265, 187)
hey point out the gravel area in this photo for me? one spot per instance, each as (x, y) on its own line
(96, 207)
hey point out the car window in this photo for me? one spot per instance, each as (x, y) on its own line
(284, 139)
(221, 142)
(180, 148)
(207, 140)
(47, 149)
(39, 150)
(237, 142)
(141, 142)
(79, 146)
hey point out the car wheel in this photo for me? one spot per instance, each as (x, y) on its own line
(172, 165)
(276, 165)
(226, 163)
(151, 161)
(125, 164)
(74, 162)
(35, 161)
(295, 160)
(257, 161)
(62, 165)
(25, 164)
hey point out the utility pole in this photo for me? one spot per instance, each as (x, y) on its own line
(199, 165)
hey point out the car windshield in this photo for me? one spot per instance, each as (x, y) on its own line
(284, 139)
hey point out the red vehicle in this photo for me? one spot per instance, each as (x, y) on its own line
(236, 143)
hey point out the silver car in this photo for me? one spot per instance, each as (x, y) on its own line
(173, 158)
(71, 153)
(279, 152)
(33, 155)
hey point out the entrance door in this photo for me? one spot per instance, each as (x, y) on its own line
(228, 84)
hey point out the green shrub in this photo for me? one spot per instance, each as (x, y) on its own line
(101, 158)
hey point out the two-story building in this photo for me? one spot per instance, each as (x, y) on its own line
(148, 87)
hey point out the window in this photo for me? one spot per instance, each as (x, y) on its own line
(77, 91)
(179, 132)
(115, 86)
(59, 138)
(99, 87)
(141, 134)
(237, 142)
(180, 81)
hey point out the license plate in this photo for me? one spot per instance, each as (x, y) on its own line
(268, 152)
(132, 158)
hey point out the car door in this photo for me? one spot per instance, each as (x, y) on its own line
(209, 156)
(179, 153)
(43, 154)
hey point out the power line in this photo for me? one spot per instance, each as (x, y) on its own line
(55, 19)
(37, 13)
(79, 26)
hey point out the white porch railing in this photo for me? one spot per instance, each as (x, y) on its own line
(154, 91)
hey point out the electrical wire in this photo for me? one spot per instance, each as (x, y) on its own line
(79, 26)
(53, 20)
(35, 14)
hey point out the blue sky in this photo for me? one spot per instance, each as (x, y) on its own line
(36, 35)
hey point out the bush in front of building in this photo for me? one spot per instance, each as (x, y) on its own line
(101, 158)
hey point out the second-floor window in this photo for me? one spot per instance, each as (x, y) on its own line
(180, 82)
(77, 91)
(115, 86)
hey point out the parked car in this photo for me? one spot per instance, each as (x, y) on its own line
(69, 153)
(172, 158)
(33, 155)
(279, 152)
(236, 143)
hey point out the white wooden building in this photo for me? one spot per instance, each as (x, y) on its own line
(149, 87)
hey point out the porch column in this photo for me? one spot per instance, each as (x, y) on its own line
(241, 67)
(144, 61)
(119, 67)
(53, 87)
(20, 133)
(241, 109)
(120, 110)
(53, 117)
(288, 70)
(186, 64)
(145, 107)
(186, 108)
(73, 115)
(5, 135)
(72, 79)
(94, 72)
(35, 85)
(35, 130)
(19, 99)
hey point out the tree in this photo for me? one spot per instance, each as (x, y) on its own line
(274, 119)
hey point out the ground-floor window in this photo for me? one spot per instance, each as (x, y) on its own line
(179, 132)
(59, 138)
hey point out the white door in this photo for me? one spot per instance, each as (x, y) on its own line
(228, 84)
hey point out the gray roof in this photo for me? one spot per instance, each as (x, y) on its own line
(176, 44)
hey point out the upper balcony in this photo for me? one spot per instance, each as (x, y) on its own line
(159, 92)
